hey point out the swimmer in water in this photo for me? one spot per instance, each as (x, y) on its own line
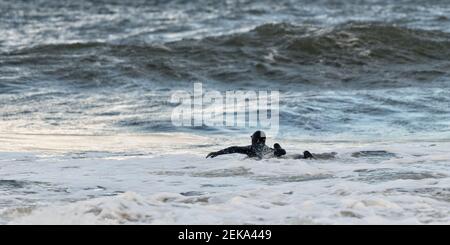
(257, 149)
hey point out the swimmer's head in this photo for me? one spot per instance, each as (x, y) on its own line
(276, 146)
(258, 137)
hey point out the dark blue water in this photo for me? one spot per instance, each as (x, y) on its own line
(345, 69)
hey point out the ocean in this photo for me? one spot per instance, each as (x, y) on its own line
(86, 134)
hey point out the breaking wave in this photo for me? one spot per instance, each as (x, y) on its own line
(353, 53)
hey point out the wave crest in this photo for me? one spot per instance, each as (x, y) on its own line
(281, 53)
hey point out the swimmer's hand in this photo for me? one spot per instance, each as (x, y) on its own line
(278, 150)
(308, 155)
(212, 155)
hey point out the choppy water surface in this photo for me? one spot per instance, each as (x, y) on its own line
(84, 91)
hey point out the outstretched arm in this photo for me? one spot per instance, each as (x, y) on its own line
(230, 150)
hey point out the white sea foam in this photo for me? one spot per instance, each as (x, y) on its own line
(408, 186)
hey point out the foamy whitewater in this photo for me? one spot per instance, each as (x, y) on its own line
(85, 113)
(368, 183)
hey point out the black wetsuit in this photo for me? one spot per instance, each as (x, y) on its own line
(256, 150)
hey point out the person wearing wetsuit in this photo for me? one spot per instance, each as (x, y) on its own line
(257, 149)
